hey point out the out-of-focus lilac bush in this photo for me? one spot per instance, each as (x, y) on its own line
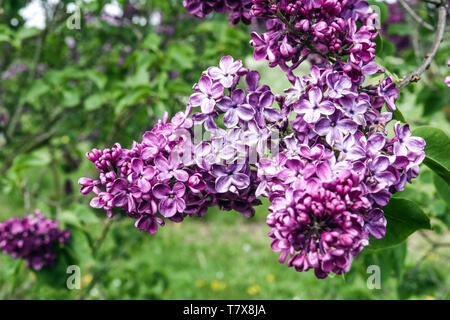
(32, 238)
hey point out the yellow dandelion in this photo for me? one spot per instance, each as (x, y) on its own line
(270, 278)
(254, 289)
(218, 285)
(430, 298)
(87, 278)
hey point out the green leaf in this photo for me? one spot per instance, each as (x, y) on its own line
(24, 33)
(152, 42)
(26, 161)
(93, 102)
(97, 78)
(442, 188)
(437, 150)
(32, 93)
(403, 218)
(399, 116)
(78, 248)
(400, 29)
(131, 98)
(391, 261)
(70, 98)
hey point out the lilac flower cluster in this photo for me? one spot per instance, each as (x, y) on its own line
(32, 238)
(298, 28)
(316, 29)
(167, 173)
(336, 170)
(149, 177)
(321, 153)
(239, 9)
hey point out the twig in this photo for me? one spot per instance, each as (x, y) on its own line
(415, 75)
(99, 272)
(102, 237)
(415, 16)
(32, 71)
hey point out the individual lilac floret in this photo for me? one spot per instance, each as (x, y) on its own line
(225, 73)
(389, 92)
(32, 238)
(207, 96)
(313, 107)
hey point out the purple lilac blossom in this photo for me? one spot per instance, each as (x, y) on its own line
(334, 166)
(32, 238)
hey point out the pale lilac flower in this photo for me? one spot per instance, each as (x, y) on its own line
(405, 142)
(335, 128)
(229, 177)
(350, 149)
(376, 224)
(313, 108)
(224, 74)
(209, 93)
(170, 167)
(338, 85)
(235, 108)
(379, 171)
(141, 175)
(354, 109)
(294, 93)
(389, 92)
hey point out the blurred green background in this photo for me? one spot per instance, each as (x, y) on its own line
(67, 88)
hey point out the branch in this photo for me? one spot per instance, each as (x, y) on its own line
(415, 16)
(102, 236)
(415, 75)
(49, 23)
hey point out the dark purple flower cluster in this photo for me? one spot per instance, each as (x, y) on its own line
(239, 9)
(332, 28)
(32, 238)
(152, 176)
(300, 29)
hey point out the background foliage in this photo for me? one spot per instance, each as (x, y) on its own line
(64, 91)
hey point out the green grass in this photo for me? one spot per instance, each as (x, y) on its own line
(227, 257)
